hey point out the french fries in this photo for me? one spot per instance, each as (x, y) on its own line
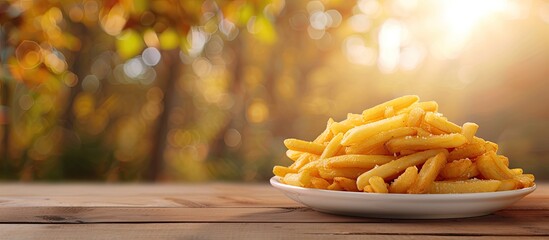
(402, 146)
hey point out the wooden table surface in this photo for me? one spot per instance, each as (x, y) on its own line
(229, 211)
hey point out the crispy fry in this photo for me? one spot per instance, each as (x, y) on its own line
(380, 150)
(492, 168)
(415, 117)
(428, 174)
(360, 133)
(391, 169)
(389, 112)
(294, 155)
(379, 140)
(467, 186)
(438, 121)
(404, 181)
(378, 184)
(456, 168)
(422, 132)
(509, 184)
(358, 161)
(304, 146)
(319, 183)
(469, 130)
(526, 180)
(431, 129)
(470, 150)
(388, 143)
(335, 186)
(330, 173)
(301, 179)
(429, 106)
(490, 146)
(423, 143)
(282, 171)
(377, 112)
(504, 160)
(517, 171)
(326, 135)
(407, 152)
(333, 146)
(346, 183)
(352, 121)
(340, 127)
(304, 159)
(369, 189)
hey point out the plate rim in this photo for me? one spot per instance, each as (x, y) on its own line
(275, 182)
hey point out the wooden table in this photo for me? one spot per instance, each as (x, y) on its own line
(229, 211)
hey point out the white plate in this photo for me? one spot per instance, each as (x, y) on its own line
(406, 206)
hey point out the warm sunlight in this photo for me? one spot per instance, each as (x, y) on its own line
(458, 19)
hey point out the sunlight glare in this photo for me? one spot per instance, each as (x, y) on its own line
(390, 37)
(458, 18)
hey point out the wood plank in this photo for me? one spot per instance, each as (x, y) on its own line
(190, 200)
(302, 214)
(318, 231)
(95, 189)
(209, 195)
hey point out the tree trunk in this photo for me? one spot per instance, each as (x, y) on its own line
(172, 65)
(4, 101)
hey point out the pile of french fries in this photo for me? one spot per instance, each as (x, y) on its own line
(400, 146)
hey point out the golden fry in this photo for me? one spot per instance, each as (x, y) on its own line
(379, 140)
(294, 155)
(340, 127)
(431, 129)
(389, 112)
(319, 183)
(526, 180)
(378, 112)
(378, 184)
(467, 186)
(326, 135)
(490, 146)
(509, 184)
(428, 174)
(304, 146)
(423, 143)
(429, 106)
(357, 161)
(388, 143)
(281, 171)
(404, 181)
(438, 121)
(456, 168)
(392, 169)
(330, 173)
(492, 168)
(346, 183)
(361, 133)
(415, 117)
(369, 189)
(333, 147)
(335, 186)
(469, 130)
(470, 150)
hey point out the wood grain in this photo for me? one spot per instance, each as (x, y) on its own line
(317, 231)
(230, 211)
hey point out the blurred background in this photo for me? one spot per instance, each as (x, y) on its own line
(167, 90)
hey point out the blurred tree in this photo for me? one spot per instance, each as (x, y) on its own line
(122, 90)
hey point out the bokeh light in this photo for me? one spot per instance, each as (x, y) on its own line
(207, 90)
